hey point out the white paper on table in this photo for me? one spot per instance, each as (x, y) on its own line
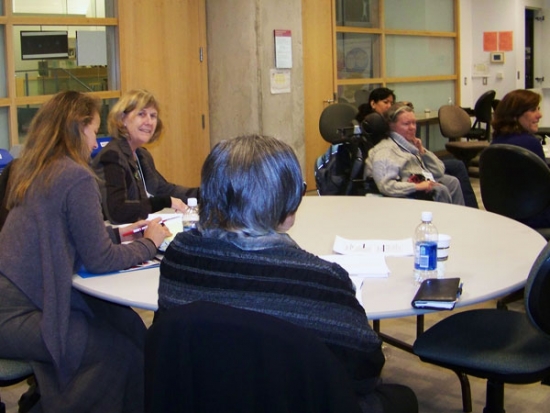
(361, 266)
(395, 248)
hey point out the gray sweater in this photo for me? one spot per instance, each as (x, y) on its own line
(46, 239)
(393, 160)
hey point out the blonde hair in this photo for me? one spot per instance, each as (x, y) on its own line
(133, 100)
(56, 131)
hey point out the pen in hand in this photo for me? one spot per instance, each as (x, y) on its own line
(144, 227)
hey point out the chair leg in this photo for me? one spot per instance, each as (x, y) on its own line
(466, 391)
(517, 295)
(494, 402)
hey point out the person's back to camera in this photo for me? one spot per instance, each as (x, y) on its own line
(240, 255)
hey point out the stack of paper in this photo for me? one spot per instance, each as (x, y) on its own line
(395, 248)
(363, 265)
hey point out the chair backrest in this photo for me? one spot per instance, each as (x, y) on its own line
(335, 118)
(484, 107)
(102, 141)
(454, 122)
(514, 182)
(537, 291)
(205, 357)
(375, 127)
(5, 158)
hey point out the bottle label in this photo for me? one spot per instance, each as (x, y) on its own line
(425, 258)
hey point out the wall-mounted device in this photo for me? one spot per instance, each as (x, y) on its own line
(497, 57)
(44, 45)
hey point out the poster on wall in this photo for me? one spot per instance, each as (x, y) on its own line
(283, 49)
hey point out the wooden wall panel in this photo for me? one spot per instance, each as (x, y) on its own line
(159, 43)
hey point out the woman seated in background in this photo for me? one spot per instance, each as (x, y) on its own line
(132, 188)
(240, 256)
(86, 353)
(380, 100)
(516, 120)
(402, 167)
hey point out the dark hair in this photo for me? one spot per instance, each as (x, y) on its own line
(510, 108)
(380, 93)
(249, 184)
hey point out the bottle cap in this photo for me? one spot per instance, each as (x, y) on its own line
(192, 202)
(427, 216)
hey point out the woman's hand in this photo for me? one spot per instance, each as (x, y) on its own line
(417, 142)
(425, 186)
(132, 232)
(178, 205)
(156, 231)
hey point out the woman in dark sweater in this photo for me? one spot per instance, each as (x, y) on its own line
(516, 120)
(241, 256)
(132, 188)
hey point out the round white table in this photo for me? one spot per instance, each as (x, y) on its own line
(490, 253)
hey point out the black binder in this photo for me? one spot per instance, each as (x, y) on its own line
(438, 294)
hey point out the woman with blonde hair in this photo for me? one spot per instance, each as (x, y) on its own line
(86, 354)
(132, 187)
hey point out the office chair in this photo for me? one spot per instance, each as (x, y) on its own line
(102, 141)
(339, 171)
(483, 112)
(514, 182)
(454, 124)
(500, 346)
(337, 122)
(13, 372)
(206, 357)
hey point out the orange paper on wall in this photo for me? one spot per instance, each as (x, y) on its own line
(505, 41)
(490, 41)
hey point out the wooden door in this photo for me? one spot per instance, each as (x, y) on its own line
(161, 44)
(319, 89)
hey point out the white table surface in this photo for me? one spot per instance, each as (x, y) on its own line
(490, 253)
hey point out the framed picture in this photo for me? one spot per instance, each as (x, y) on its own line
(497, 57)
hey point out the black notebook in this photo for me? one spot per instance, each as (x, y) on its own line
(438, 293)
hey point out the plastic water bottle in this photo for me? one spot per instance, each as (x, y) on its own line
(425, 249)
(191, 215)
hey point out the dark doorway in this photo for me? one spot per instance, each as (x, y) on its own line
(529, 55)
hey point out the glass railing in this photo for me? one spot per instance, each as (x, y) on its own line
(50, 80)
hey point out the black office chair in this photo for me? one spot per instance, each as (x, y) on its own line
(339, 171)
(500, 346)
(455, 124)
(483, 112)
(514, 182)
(205, 357)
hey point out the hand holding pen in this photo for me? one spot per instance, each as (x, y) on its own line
(154, 230)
